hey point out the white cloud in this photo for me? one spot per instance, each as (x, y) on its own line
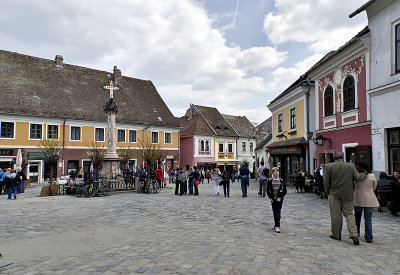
(324, 24)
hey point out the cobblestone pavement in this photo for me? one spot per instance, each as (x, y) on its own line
(167, 234)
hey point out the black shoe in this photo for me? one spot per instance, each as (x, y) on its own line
(260, 194)
(333, 237)
(369, 241)
(355, 240)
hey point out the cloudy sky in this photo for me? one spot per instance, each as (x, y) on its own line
(236, 55)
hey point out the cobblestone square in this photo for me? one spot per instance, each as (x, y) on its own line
(166, 234)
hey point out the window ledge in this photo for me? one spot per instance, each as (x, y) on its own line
(329, 117)
(352, 111)
(293, 131)
(280, 134)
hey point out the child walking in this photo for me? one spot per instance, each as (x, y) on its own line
(276, 191)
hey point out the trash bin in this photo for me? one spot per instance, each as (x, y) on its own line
(21, 187)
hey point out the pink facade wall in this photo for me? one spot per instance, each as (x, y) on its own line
(187, 151)
(357, 69)
(187, 148)
(356, 134)
(360, 135)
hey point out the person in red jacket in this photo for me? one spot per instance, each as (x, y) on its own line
(159, 176)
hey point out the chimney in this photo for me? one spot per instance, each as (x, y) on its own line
(59, 61)
(117, 74)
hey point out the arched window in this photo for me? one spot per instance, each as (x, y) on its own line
(349, 97)
(202, 146)
(328, 101)
(207, 149)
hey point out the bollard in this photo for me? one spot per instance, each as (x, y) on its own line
(137, 184)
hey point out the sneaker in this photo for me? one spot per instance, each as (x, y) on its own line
(277, 230)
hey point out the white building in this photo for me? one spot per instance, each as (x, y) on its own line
(384, 82)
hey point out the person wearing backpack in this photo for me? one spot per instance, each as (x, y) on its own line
(263, 177)
(276, 191)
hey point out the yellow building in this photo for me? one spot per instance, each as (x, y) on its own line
(45, 99)
(291, 113)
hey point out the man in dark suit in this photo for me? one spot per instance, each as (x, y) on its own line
(339, 178)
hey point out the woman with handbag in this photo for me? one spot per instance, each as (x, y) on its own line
(215, 178)
(196, 180)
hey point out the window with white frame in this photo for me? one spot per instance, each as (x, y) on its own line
(230, 148)
(201, 145)
(36, 131)
(397, 48)
(7, 129)
(243, 146)
(167, 138)
(251, 147)
(221, 148)
(99, 134)
(328, 101)
(349, 94)
(280, 123)
(154, 137)
(75, 133)
(293, 118)
(132, 136)
(121, 135)
(52, 131)
(207, 146)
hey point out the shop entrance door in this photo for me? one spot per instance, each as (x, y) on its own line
(34, 172)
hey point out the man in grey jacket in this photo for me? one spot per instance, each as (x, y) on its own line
(339, 178)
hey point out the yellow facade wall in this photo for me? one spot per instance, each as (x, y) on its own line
(286, 122)
(22, 137)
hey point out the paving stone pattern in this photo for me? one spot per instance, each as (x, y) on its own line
(166, 234)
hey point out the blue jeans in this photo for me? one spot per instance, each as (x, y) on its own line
(244, 181)
(191, 186)
(12, 190)
(367, 220)
(276, 209)
(226, 184)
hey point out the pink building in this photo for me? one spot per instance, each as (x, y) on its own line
(342, 116)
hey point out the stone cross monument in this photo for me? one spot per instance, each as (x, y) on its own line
(111, 163)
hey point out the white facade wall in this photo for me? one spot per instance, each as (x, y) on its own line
(247, 154)
(384, 92)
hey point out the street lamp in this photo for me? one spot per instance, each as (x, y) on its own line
(319, 140)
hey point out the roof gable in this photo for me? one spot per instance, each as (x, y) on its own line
(196, 125)
(216, 121)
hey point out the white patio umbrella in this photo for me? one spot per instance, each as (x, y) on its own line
(18, 162)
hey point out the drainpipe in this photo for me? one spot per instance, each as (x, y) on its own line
(308, 125)
(63, 148)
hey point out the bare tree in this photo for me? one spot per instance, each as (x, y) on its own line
(52, 149)
(96, 153)
(151, 152)
(125, 155)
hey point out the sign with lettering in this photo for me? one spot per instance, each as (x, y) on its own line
(6, 152)
(36, 156)
(285, 150)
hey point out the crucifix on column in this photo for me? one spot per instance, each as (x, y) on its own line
(111, 87)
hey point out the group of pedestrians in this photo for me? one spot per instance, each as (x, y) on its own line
(9, 182)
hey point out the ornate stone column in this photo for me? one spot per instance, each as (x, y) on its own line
(111, 163)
